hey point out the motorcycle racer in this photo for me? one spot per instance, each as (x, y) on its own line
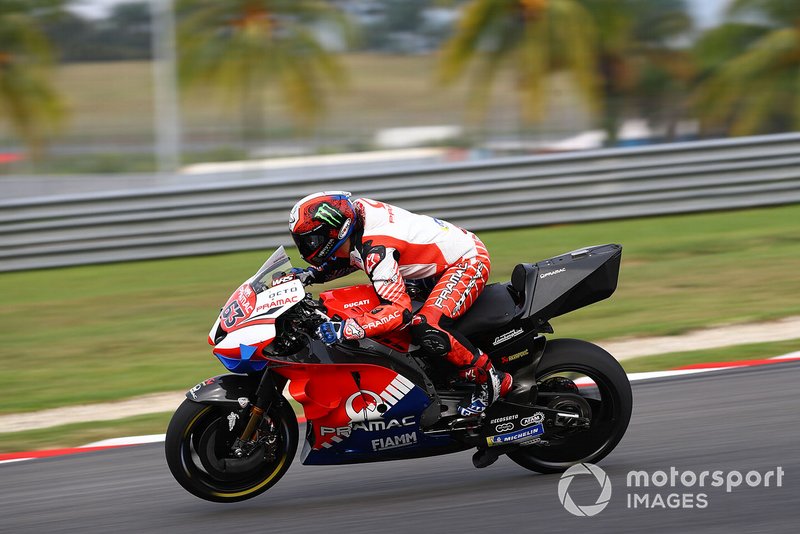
(338, 235)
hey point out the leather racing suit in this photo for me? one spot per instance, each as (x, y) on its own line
(393, 245)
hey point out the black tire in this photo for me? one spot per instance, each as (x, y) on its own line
(190, 445)
(609, 419)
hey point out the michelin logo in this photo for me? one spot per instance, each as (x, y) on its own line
(519, 435)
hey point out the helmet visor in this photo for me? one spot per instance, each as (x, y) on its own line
(309, 246)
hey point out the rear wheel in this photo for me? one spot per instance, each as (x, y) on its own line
(603, 394)
(199, 451)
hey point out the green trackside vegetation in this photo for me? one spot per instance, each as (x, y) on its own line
(104, 332)
(78, 434)
(74, 435)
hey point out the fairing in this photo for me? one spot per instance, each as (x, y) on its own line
(246, 324)
(361, 413)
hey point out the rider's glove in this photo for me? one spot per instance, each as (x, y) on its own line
(332, 331)
(304, 275)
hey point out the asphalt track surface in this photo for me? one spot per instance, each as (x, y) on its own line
(743, 420)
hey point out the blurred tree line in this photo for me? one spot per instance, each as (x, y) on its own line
(627, 58)
(124, 34)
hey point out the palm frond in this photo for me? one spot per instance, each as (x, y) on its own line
(775, 12)
(239, 47)
(28, 98)
(743, 89)
(534, 38)
(483, 27)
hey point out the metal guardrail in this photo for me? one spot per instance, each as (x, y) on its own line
(501, 193)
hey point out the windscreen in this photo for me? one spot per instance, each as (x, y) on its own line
(276, 263)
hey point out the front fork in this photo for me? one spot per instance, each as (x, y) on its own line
(267, 392)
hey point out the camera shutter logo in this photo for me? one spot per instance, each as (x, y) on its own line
(602, 500)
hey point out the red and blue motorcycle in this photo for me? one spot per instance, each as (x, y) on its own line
(380, 399)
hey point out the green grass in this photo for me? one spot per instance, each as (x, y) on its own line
(79, 434)
(104, 332)
(75, 435)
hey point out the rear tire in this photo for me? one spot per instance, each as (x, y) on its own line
(192, 453)
(609, 419)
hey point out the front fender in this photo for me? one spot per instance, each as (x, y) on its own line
(224, 389)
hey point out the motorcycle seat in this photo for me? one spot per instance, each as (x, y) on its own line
(494, 308)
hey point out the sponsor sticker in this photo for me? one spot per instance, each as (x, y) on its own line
(501, 419)
(516, 356)
(363, 405)
(329, 214)
(551, 273)
(354, 304)
(504, 427)
(508, 335)
(368, 426)
(195, 389)
(232, 417)
(283, 280)
(394, 442)
(345, 228)
(440, 223)
(281, 295)
(518, 435)
(535, 419)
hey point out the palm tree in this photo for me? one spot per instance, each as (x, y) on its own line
(27, 97)
(611, 47)
(239, 47)
(641, 66)
(534, 37)
(752, 69)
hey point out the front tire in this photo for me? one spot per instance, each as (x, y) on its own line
(199, 457)
(610, 414)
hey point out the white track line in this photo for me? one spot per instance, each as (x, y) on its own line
(790, 356)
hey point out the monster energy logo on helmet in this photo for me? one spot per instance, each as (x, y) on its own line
(328, 214)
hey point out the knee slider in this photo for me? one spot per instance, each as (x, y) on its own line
(432, 340)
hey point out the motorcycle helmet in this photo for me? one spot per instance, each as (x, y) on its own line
(320, 223)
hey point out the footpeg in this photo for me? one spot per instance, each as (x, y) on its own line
(484, 458)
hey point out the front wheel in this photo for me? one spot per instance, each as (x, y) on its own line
(582, 378)
(200, 451)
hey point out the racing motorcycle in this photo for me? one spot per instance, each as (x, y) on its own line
(380, 399)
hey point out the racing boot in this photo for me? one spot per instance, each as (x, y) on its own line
(490, 384)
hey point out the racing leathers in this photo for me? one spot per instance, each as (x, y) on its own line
(393, 245)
